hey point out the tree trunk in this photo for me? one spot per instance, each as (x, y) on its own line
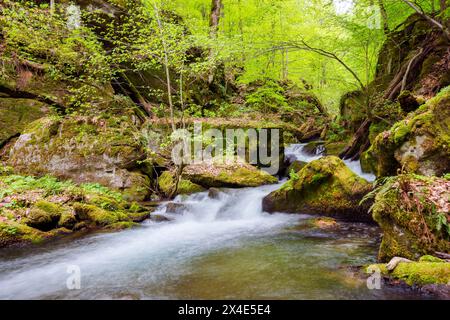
(214, 20)
(384, 16)
(359, 143)
(166, 67)
(443, 5)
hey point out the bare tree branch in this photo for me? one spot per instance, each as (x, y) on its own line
(432, 21)
(302, 45)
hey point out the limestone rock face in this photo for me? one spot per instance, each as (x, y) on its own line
(84, 149)
(418, 144)
(413, 212)
(325, 186)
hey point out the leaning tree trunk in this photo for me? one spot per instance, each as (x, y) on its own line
(359, 143)
(410, 67)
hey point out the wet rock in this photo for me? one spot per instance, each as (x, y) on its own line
(324, 223)
(159, 218)
(173, 207)
(325, 186)
(314, 148)
(214, 193)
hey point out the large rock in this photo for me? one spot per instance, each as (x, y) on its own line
(166, 184)
(231, 176)
(16, 114)
(413, 213)
(103, 150)
(325, 186)
(418, 144)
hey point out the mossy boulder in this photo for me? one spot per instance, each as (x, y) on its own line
(99, 216)
(417, 273)
(166, 184)
(44, 215)
(412, 212)
(229, 176)
(16, 114)
(13, 233)
(418, 144)
(325, 186)
(35, 209)
(296, 166)
(101, 149)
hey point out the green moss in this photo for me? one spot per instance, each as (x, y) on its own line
(105, 202)
(325, 186)
(417, 273)
(67, 220)
(121, 225)
(428, 258)
(6, 170)
(13, 232)
(166, 183)
(248, 177)
(97, 215)
(431, 121)
(422, 273)
(408, 220)
(44, 215)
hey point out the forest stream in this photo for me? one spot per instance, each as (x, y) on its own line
(216, 248)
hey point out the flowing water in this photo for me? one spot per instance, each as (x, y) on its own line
(221, 248)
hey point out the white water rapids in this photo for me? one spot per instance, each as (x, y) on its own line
(225, 247)
(297, 152)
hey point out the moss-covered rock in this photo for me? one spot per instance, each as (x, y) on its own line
(44, 215)
(412, 212)
(296, 166)
(419, 144)
(417, 273)
(101, 149)
(232, 176)
(12, 233)
(98, 216)
(16, 114)
(325, 186)
(166, 184)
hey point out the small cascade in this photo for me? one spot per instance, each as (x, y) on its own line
(297, 152)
